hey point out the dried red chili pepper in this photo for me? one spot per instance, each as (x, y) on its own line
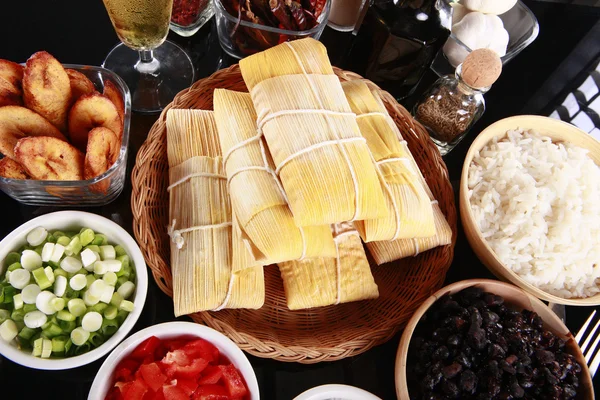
(185, 12)
(319, 7)
(311, 21)
(298, 14)
(280, 11)
(309, 5)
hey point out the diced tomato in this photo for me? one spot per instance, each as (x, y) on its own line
(203, 349)
(211, 392)
(188, 386)
(210, 375)
(145, 348)
(161, 351)
(176, 357)
(173, 392)
(114, 394)
(152, 375)
(176, 344)
(125, 370)
(137, 390)
(191, 371)
(158, 395)
(233, 381)
(123, 386)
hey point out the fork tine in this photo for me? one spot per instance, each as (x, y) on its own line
(589, 338)
(596, 361)
(590, 353)
(581, 332)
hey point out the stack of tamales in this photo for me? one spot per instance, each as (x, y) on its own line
(201, 222)
(325, 281)
(257, 197)
(420, 225)
(320, 156)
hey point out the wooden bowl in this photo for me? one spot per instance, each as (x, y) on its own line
(558, 131)
(519, 300)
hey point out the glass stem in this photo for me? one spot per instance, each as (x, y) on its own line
(147, 64)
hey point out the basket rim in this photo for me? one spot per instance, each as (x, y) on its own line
(271, 348)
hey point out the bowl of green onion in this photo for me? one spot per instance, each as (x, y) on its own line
(72, 286)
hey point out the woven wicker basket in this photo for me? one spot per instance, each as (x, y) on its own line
(308, 336)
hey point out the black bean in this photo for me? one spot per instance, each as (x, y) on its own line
(506, 367)
(451, 370)
(468, 381)
(454, 341)
(516, 390)
(441, 353)
(495, 351)
(477, 339)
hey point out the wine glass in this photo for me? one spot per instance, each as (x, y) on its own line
(154, 69)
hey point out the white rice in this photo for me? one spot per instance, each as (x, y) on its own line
(538, 205)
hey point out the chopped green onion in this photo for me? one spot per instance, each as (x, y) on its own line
(8, 330)
(123, 279)
(19, 278)
(74, 246)
(63, 241)
(67, 326)
(35, 319)
(50, 274)
(68, 346)
(38, 344)
(47, 251)
(97, 288)
(71, 264)
(17, 315)
(11, 258)
(77, 307)
(29, 308)
(9, 292)
(86, 236)
(116, 299)
(27, 333)
(51, 239)
(121, 315)
(107, 252)
(60, 272)
(71, 294)
(60, 286)
(46, 348)
(110, 278)
(95, 339)
(18, 301)
(14, 266)
(78, 282)
(79, 336)
(41, 278)
(100, 267)
(106, 296)
(30, 293)
(94, 248)
(64, 315)
(109, 327)
(126, 289)
(91, 321)
(125, 261)
(100, 239)
(4, 315)
(84, 348)
(89, 299)
(88, 258)
(37, 236)
(90, 279)
(120, 250)
(30, 260)
(58, 303)
(52, 331)
(42, 302)
(110, 312)
(100, 307)
(58, 234)
(59, 250)
(58, 344)
(126, 305)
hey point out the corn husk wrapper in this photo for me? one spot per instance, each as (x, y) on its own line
(325, 281)
(410, 210)
(201, 258)
(257, 197)
(322, 160)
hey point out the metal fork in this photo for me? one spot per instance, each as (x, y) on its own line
(592, 335)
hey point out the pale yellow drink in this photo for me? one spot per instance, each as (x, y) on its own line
(140, 24)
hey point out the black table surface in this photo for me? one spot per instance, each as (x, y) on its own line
(80, 32)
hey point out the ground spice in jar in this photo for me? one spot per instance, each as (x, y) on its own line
(446, 114)
(185, 12)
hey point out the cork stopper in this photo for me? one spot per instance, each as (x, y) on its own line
(481, 68)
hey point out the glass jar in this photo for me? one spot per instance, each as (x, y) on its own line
(189, 16)
(449, 109)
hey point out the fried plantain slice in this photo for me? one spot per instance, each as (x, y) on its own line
(89, 112)
(112, 92)
(48, 158)
(11, 77)
(102, 152)
(9, 168)
(17, 122)
(47, 88)
(80, 84)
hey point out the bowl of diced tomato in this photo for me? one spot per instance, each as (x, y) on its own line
(176, 361)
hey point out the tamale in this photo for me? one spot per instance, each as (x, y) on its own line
(257, 197)
(410, 210)
(322, 160)
(324, 281)
(200, 221)
(388, 251)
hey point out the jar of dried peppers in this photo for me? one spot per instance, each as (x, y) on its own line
(188, 16)
(452, 105)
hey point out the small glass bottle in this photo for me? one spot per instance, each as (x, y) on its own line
(189, 16)
(452, 105)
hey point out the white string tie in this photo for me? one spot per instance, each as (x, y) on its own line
(177, 234)
(194, 175)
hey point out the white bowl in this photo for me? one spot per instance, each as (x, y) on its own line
(337, 392)
(102, 382)
(75, 220)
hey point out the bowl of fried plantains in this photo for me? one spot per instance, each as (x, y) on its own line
(64, 131)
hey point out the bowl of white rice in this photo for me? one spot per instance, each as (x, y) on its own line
(530, 207)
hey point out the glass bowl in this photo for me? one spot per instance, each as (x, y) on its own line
(242, 38)
(522, 27)
(91, 192)
(189, 16)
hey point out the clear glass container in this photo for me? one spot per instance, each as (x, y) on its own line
(522, 27)
(448, 110)
(190, 15)
(92, 192)
(240, 39)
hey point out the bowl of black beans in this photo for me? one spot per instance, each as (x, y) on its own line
(484, 339)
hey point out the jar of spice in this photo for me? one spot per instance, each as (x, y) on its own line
(189, 16)
(454, 103)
